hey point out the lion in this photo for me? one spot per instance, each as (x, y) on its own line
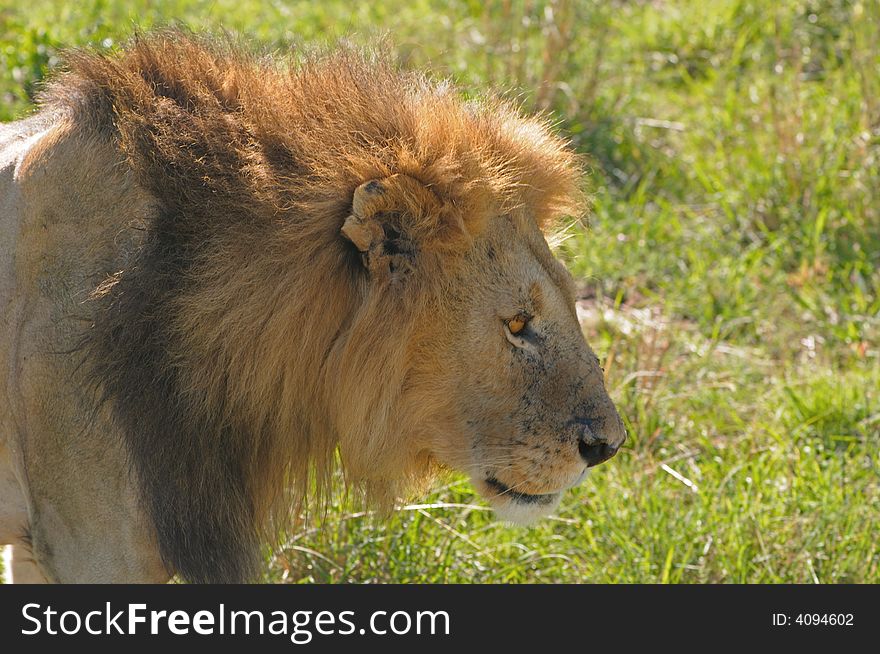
(225, 277)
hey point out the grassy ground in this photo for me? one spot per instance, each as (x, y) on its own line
(730, 276)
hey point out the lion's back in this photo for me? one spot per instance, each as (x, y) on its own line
(16, 140)
(68, 220)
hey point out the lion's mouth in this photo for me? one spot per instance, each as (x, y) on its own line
(518, 497)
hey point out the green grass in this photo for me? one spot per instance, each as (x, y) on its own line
(730, 276)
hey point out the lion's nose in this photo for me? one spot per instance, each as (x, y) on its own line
(593, 447)
(595, 452)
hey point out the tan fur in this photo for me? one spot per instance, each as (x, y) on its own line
(227, 270)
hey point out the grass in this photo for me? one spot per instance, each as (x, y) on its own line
(729, 277)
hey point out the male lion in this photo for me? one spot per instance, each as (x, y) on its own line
(218, 272)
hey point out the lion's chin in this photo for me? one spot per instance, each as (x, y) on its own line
(516, 507)
(525, 513)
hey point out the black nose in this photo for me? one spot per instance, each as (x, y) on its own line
(595, 451)
(598, 440)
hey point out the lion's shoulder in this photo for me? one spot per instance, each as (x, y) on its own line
(68, 207)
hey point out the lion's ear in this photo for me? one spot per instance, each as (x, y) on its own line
(388, 219)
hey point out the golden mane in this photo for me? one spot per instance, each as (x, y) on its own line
(242, 345)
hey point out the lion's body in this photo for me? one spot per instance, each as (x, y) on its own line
(63, 472)
(197, 314)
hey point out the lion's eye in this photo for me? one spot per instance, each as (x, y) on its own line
(515, 331)
(517, 323)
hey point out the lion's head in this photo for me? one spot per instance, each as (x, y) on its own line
(507, 388)
(337, 256)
